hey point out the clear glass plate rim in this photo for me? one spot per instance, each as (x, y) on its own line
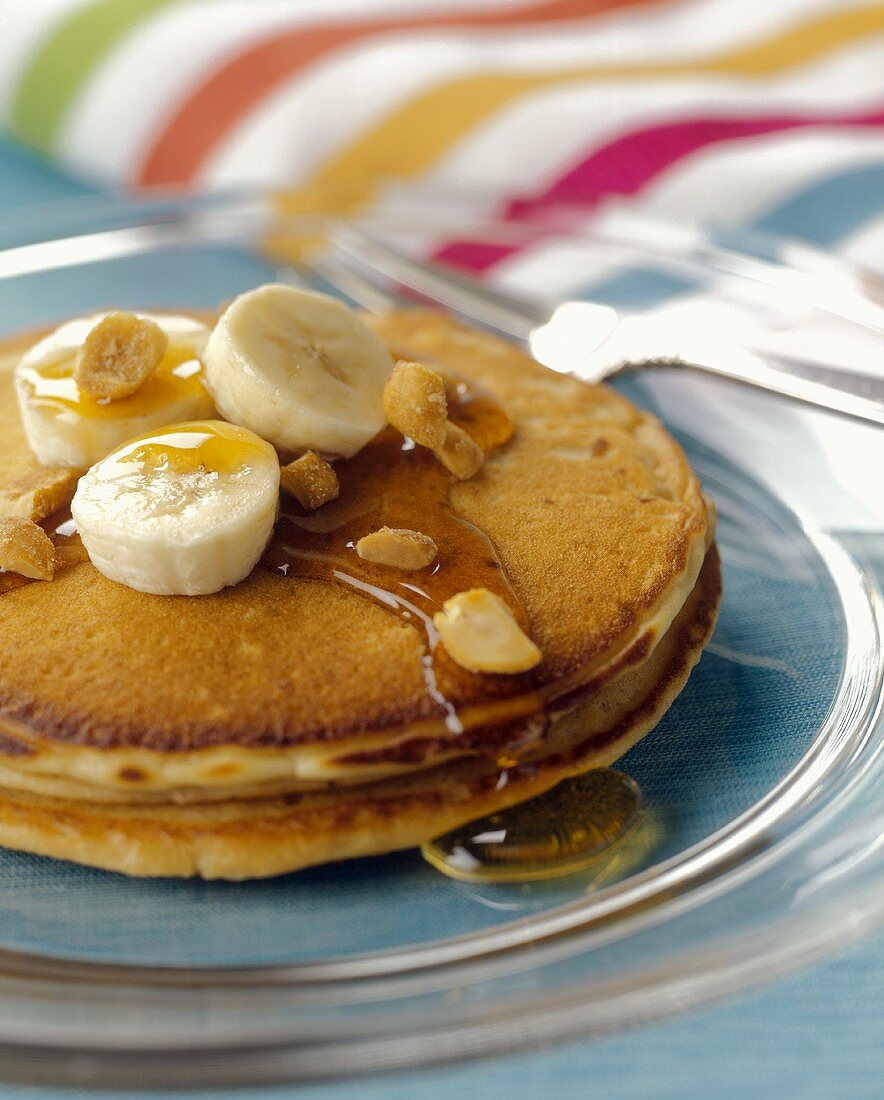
(815, 786)
(840, 759)
(181, 219)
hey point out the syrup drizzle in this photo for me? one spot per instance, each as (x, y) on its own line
(179, 374)
(394, 483)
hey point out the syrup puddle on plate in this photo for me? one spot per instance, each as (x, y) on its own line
(579, 824)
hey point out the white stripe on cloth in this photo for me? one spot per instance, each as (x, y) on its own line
(158, 64)
(723, 185)
(866, 245)
(528, 147)
(746, 178)
(390, 70)
(537, 139)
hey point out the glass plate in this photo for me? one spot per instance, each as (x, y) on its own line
(761, 848)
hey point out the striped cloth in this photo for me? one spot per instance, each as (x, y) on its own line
(760, 113)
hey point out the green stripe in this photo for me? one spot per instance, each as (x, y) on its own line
(61, 66)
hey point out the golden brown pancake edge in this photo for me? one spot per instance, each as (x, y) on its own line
(69, 679)
(240, 840)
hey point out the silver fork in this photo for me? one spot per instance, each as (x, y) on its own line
(582, 337)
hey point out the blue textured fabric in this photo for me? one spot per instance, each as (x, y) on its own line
(818, 1035)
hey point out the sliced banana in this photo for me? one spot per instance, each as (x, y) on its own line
(66, 427)
(183, 511)
(300, 369)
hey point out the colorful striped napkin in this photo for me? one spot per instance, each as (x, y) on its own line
(738, 112)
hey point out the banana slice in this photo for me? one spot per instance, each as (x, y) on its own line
(184, 511)
(300, 369)
(66, 427)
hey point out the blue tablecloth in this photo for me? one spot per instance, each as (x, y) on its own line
(818, 1035)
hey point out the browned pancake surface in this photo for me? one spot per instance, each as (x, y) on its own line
(591, 507)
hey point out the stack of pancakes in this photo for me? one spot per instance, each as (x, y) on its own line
(286, 722)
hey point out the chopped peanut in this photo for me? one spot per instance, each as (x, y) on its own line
(26, 549)
(480, 634)
(402, 549)
(39, 493)
(460, 453)
(310, 480)
(415, 403)
(118, 356)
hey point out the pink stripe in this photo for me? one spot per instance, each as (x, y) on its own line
(626, 165)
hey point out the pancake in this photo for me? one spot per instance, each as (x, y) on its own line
(589, 517)
(250, 839)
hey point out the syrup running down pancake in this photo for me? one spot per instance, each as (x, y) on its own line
(252, 838)
(320, 677)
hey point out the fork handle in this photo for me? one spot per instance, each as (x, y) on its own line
(847, 392)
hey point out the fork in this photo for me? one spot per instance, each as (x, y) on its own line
(590, 340)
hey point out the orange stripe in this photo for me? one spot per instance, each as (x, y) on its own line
(202, 122)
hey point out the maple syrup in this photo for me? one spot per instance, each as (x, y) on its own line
(580, 823)
(178, 375)
(394, 483)
(202, 446)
